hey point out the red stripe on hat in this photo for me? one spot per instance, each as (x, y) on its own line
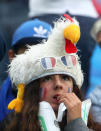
(73, 60)
(53, 61)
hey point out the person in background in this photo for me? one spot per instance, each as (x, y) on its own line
(2, 47)
(9, 22)
(94, 90)
(30, 32)
(55, 73)
(3, 52)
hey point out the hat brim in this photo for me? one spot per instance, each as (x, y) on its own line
(29, 41)
(52, 73)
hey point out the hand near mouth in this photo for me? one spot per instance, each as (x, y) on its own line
(73, 105)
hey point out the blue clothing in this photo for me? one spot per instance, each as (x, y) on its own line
(95, 69)
(94, 91)
(95, 97)
(6, 95)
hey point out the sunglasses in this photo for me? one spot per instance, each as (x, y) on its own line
(50, 62)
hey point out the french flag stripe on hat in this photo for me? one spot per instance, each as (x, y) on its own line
(73, 60)
(43, 63)
(48, 62)
(63, 59)
(67, 60)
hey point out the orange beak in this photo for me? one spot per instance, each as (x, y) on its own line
(71, 35)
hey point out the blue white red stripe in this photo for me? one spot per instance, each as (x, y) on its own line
(48, 62)
(69, 60)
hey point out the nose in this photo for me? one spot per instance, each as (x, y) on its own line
(58, 84)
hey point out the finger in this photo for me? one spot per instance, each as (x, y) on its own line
(75, 97)
(67, 96)
(70, 100)
(66, 102)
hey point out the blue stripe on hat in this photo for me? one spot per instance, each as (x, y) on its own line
(63, 59)
(43, 62)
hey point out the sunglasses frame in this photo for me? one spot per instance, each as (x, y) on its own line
(58, 58)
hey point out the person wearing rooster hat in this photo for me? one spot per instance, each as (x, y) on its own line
(53, 75)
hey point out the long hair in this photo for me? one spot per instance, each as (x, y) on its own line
(91, 123)
(27, 119)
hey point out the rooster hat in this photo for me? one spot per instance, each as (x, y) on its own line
(57, 55)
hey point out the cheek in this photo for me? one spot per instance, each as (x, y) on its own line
(46, 91)
(68, 88)
(46, 86)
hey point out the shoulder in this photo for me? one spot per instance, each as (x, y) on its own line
(78, 125)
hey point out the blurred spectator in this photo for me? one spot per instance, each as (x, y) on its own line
(30, 32)
(3, 54)
(12, 14)
(2, 47)
(96, 31)
(94, 91)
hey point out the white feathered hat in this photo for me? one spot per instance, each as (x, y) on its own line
(57, 55)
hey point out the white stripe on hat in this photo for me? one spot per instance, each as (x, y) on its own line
(48, 63)
(69, 61)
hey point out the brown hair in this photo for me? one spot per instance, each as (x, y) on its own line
(27, 120)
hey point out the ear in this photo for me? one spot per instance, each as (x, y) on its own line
(11, 54)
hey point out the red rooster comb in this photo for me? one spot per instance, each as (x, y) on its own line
(68, 17)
